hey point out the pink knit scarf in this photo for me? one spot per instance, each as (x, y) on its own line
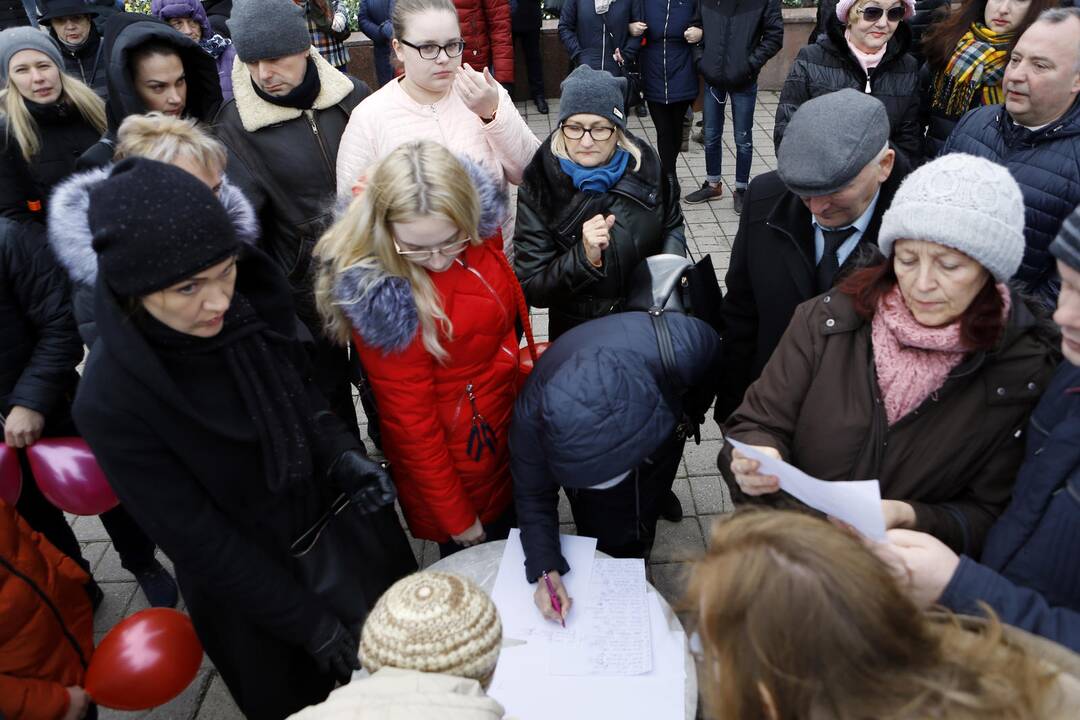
(913, 360)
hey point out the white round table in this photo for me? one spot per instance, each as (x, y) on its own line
(480, 563)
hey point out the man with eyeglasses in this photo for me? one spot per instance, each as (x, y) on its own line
(282, 130)
(1036, 135)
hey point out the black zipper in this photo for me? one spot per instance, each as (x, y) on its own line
(52, 608)
(322, 148)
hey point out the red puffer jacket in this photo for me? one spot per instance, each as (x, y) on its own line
(37, 659)
(489, 42)
(425, 407)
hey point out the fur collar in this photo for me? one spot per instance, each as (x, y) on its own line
(69, 225)
(380, 306)
(256, 113)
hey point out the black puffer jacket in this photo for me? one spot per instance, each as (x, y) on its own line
(828, 65)
(549, 257)
(125, 33)
(71, 239)
(87, 63)
(25, 187)
(562, 434)
(41, 347)
(283, 159)
(739, 38)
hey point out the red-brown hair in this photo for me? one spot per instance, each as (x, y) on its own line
(980, 325)
(947, 28)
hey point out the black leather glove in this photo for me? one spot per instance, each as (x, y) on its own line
(335, 649)
(366, 483)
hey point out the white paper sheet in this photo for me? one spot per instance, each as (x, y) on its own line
(613, 636)
(513, 594)
(527, 691)
(856, 502)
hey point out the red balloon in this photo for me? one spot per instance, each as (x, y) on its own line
(10, 475)
(70, 477)
(145, 661)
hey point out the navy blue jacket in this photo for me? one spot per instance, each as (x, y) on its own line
(1029, 572)
(1046, 164)
(591, 39)
(375, 20)
(667, 60)
(576, 424)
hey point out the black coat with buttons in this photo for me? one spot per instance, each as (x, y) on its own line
(25, 186)
(954, 458)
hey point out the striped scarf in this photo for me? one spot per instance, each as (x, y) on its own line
(974, 73)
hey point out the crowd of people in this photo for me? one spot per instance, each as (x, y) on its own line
(213, 238)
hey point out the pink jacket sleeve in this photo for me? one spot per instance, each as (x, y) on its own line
(510, 139)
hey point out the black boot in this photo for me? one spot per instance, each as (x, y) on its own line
(158, 586)
(541, 104)
(671, 508)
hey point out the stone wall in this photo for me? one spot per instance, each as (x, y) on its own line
(797, 26)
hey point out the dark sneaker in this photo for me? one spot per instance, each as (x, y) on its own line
(541, 104)
(671, 508)
(158, 586)
(705, 194)
(642, 110)
(738, 201)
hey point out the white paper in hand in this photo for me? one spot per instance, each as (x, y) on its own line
(856, 502)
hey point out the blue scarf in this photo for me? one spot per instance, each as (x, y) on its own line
(597, 179)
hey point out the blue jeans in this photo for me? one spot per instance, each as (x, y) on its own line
(742, 114)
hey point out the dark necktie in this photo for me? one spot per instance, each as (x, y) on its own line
(830, 264)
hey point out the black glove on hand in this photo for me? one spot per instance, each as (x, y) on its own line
(364, 480)
(335, 649)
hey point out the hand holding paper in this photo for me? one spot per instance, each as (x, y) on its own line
(856, 502)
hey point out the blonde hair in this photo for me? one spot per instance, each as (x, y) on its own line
(799, 619)
(415, 180)
(558, 146)
(21, 125)
(166, 139)
(405, 8)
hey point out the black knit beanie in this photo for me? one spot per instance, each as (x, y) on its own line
(154, 225)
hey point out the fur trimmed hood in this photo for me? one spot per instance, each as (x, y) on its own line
(256, 114)
(69, 224)
(381, 306)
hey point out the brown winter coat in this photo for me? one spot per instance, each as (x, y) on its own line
(954, 458)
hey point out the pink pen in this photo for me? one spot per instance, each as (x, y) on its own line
(554, 598)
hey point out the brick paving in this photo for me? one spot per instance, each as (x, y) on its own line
(711, 228)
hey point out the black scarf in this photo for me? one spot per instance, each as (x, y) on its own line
(301, 97)
(273, 393)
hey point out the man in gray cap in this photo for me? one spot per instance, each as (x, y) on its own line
(804, 225)
(282, 130)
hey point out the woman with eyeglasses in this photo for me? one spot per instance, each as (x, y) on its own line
(437, 99)
(415, 277)
(593, 205)
(866, 47)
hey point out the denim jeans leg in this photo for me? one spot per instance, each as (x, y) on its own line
(742, 116)
(714, 131)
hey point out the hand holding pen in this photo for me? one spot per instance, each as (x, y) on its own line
(551, 597)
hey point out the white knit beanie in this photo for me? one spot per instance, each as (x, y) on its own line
(433, 622)
(965, 203)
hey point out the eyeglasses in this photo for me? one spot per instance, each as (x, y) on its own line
(576, 132)
(873, 13)
(448, 250)
(430, 51)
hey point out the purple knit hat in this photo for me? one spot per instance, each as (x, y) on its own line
(169, 9)
(844, 7)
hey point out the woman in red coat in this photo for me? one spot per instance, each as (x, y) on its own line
(415, 276)
(44, 647)
(486, 28)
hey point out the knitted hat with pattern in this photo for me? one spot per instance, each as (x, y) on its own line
(965, 203)
(433, 622)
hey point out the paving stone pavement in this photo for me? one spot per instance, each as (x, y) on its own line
(711, 228)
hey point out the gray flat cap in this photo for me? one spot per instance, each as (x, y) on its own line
(829, 140)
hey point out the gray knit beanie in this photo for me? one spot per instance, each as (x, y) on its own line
(593, 92)
(1066, 246)
(16, 39)
(264, 29)
(963, 202)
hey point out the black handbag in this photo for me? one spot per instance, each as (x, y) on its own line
(349, 558)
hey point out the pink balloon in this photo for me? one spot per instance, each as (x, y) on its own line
(10, 475)
(70, 477)
(145, 661)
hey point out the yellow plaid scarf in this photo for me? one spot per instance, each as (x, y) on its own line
(974, 73)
